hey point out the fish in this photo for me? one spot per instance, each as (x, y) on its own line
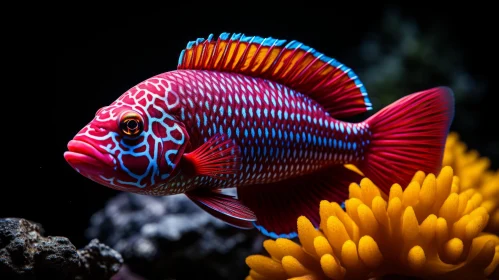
(265, 117)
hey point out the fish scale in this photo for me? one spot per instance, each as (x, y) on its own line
(262, 115)
(284, 133)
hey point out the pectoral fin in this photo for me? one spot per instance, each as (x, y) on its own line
(218, 157)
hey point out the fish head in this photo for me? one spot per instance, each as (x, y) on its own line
(135, 143)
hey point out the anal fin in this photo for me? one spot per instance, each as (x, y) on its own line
(223, 207)
(277, 206)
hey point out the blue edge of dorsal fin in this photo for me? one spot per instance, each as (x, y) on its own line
(284, 235)
(269, 41)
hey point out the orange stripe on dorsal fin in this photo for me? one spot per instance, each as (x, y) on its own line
(293, 64)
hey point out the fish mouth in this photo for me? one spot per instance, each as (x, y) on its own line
(83, 156)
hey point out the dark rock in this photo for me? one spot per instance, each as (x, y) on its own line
(26, 254)
(100, 261)
(172, 238)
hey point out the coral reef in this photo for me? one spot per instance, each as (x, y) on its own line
(478, 180)
(171, 237)
(429, 230)
(26, 254)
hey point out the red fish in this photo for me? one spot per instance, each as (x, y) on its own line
(263, 116)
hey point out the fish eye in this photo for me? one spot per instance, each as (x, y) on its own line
(131, 124)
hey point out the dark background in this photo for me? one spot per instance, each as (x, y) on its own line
(99, 54)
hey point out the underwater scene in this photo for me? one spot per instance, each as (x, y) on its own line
(277, 147)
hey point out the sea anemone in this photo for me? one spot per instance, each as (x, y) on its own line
(476, 179)
(431, 229)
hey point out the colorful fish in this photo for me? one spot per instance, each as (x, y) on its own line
(263, 116)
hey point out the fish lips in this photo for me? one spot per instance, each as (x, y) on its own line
(87, 159)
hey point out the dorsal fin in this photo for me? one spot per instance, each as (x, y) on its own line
(293, 64)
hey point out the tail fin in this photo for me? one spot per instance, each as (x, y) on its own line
(408, 135)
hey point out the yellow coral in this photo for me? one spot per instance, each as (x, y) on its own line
(430, 230)
(476, 179)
